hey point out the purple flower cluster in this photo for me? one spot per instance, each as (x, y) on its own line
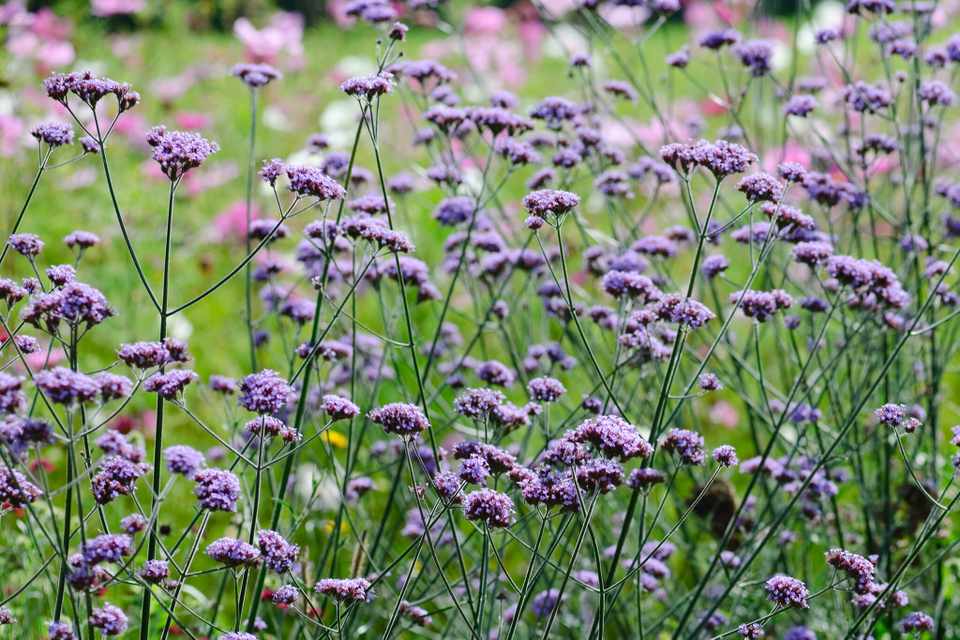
(492, 508)
(686, 445)
(264, 392)
(233, 552)
(255, 75)
(400, 418)
(278, 554)
(216, 489)
(345, 590)
(179, 151)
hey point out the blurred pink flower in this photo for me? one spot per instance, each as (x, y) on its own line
(337, 10)
(48, 25)
(133, 127)
(489, 48)
(883, 165)
(624, 17)
(169, 89)
(724, 414)
(950, 148)
(192, 120)
(13, 12)
(485, 21)
(212, 176)
(12, 130)
(792, 152)
(558, 8)
(231, 223)
(47, 54)
(282, 34)
(38, 358)
(532, 34)
(105, 8)
(41, 37)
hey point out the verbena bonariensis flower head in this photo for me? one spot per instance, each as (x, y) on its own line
(761, 305)
(599, 474)
(216, 489)
(264, 392)
(12, 398)
(761, 187)
(154, 571)
(63, 386)
(60, 631)
(345, 589)
(786, 591)
(490, 507)
(312, 182)
(170, 385)
(81, 240)
(368, 87)
(478, 403)
(26, 244)
(285, 595)
(686, 445)
(256, 75)
(107, 548)
(108, 620)
(15, 489)
(545, 389)
(684, 311)
(400, 418)
(278, 554)
(183, 460)
(718, 39)
(917, 622)
(756, 56)
(144, 355)
(233, 552)
(53, 134)
(545, 602)
(474, 470)
(89, 88)
(613, 436)
(725, 456)
(117, 476)
(550, 201)
(179, 151)
(721, 158)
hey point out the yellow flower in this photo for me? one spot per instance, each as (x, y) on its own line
(327, 526)
(334, 439)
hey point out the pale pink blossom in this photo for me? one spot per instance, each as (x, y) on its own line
(105, 8)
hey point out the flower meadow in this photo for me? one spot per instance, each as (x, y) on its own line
(651, 337)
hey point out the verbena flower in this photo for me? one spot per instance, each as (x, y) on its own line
(53, 134)
(154, 571)
(183, 460)
(786, 591)
(170, 385)
(177, 152)
(233, 552)
(108, 620)
(216, 489)
(264, 392)
(278, 554)
(490, 507)
(255, 75)
(686, 445)
(345, 590)
(400, 418)
(66, 387)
